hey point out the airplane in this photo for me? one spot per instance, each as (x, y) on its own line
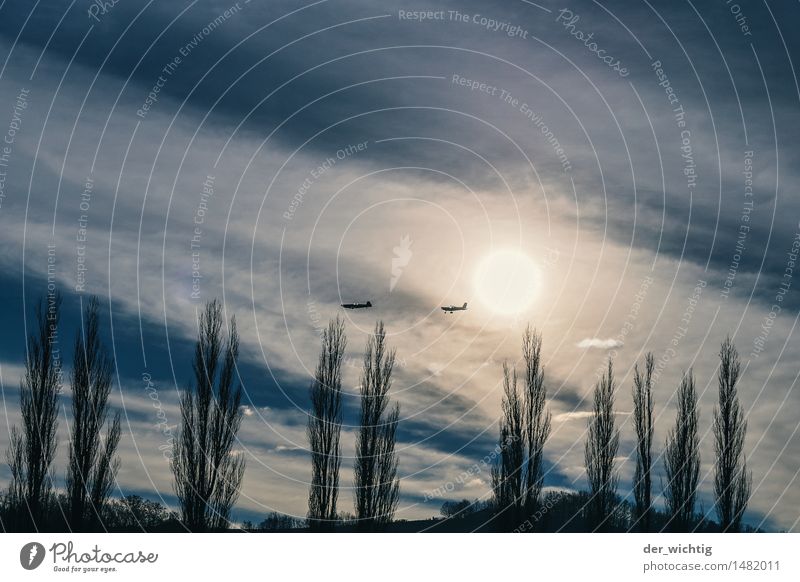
(451, 308)
(357, 305)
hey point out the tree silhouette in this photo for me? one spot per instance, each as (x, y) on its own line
(682, 459)
(92, 468)
(32, 449)
(537, 420)
(517, 473)
(325, 427)
(207, 472)
(132, 513)
(275, 521)
(458, 509)
(508, 470)
(732, 480)
(600, 450)
(375, 480)
(643, 423)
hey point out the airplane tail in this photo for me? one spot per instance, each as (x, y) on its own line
(465, 305)
(369, 303)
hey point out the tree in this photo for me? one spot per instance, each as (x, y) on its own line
(33, 448)
(457, 509)
(92, 468)
(517, 475)
(682, 459)
(134, 513)
(275, 521)
(325, 427)
(600, 450)
(643, 422)
(537, 420)
(508, 470)
(732, 481)
(207, 471)
(376, 484)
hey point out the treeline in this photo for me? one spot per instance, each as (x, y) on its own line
(208, 471)
(31, 503)
(525, 428)
(560, 511)
(517, 502)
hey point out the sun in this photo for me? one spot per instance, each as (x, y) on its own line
(507, 282)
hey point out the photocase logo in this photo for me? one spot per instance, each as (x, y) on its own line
(31, 555)
(402, 256)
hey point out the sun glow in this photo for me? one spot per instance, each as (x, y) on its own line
(507, 282)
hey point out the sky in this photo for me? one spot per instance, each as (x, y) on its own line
(289, 157)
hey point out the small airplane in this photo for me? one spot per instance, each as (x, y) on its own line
(451, 308)
(357, 305)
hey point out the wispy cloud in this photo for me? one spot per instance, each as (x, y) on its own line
(599, 343)
(567, 416)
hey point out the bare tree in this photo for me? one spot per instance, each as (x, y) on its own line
(508, 471)
(105, 472)
(325, 427)
(682, 459)
(376, 484)
(388, 485)
(537, 420)
(643, 422)
(33, 447)
(207, 472)
(458, 509)
(91, 468)
(732, 481)
(600, 450)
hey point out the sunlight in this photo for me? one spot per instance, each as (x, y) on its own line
(507, 282)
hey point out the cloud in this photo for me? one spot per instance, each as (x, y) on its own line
(581, 414)
(567, 416)
(598, 343)
(285, 448)
(252, 410)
